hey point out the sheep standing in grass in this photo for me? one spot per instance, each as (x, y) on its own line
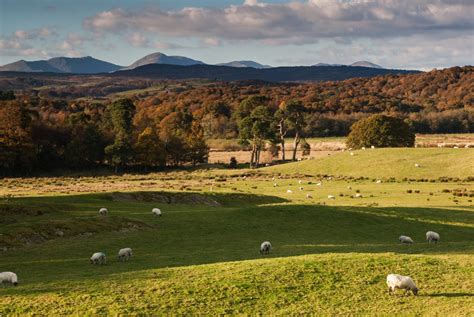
(417, 165)
(289, 191)
(265, 247)
(98, 258)
(124, 254)
(331, 197)
(395, 281)
(103, 211)
(301, 188)
(432, 236)
(405, 240)
(156, 211)
(8, 278)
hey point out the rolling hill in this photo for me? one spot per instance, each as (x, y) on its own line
(274, 74)
(160, 58)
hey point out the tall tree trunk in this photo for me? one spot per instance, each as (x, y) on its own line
(296, 142)
(252, 158)
(282, 138)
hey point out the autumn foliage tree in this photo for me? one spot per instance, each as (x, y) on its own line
(380, 131)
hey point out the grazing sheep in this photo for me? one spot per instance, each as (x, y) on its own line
(309, 196)
(349, 187)
(395, 281)
(273, 178)
(103, 211)
(301, 188)
(124, 254)
(466, 146)
(8, 278)
(456, 147)
(352, 153)
(300, 182)
(275, 184)
(405, 240)
(98, 258)
(319, 184)
(156, 211)
(372, 147)
(331, 197)
(363, 148)
(378, 181)
(432, 236)
(265, 247)
(358, 195)
(289, 191)
(417, 165)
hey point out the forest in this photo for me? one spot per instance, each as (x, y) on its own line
(166, 123)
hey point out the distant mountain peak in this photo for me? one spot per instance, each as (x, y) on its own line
(161, 58)
(365, 64)
(244, 64)
(78, 65)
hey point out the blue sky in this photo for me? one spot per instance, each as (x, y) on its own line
(412, 34)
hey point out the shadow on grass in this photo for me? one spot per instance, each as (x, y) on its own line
(211, 235)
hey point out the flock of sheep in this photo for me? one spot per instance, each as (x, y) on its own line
(394, 281)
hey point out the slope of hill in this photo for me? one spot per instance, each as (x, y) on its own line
(244, 64)
(365, 64)
(160, 58)
(388, 162)
(77, 65)
(275, 74)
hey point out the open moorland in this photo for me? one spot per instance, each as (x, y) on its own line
(329, 256)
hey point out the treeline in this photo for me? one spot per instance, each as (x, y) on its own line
(434, 102)
(89, 136)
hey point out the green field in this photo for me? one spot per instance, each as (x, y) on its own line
(329, 256)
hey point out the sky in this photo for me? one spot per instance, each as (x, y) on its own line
(404, 34)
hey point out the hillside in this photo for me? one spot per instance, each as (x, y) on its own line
(274, 74)
(385, 163)
(79, 65)
(160, 58)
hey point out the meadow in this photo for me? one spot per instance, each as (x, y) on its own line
(202, 256)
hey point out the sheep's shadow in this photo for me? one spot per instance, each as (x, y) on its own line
(450, 295)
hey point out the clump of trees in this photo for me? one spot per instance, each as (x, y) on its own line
(93, 136)
(380, 131)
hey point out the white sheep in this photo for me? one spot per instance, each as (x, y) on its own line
(372, 147)
(124, 254)
(309, 196)
(358, 195)
(349, 187)
(319, 184)
(275, 184)
(98, 258)
(331, 197)
(265, 247)
(273, 178)
(395, 281)
(301, 188)
(8, 278)
(379, 181)
(417, 165)
(352, 153)
(432, 236)
(103, 211)
(363, 148)
(405, 239)
(156, 211)
(289, 191)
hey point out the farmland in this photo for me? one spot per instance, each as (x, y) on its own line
(328, 257)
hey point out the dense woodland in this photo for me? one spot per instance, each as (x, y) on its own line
(45, 126)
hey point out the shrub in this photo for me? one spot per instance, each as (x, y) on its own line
(233, 162)
(380, 131)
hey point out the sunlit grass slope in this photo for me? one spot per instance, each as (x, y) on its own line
(380, 163)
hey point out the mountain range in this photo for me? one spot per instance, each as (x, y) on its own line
(90, 65)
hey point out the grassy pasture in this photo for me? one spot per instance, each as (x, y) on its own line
(201, 256)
